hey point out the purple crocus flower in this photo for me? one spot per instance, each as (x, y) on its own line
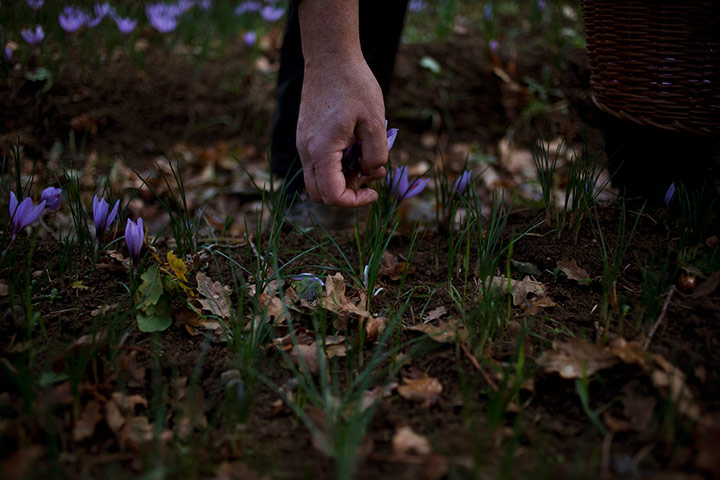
(23, 214)
(134, 238)
(249, 38)
(205, 4)
(8, 52)
(101, 10)
(400, 186)
(35, 4)
(307, 286)
(488, 12)
(162, 17)
(417, 5)
(541, 5)
(52, 196)
(33, 36)
(352, 154)
(248, 6)
(101, 217)
(125, 25)
(493, 45)
(462, 182)
(670, 194)
(272, 14)
(73, 18)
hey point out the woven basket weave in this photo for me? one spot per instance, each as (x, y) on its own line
(656, 62)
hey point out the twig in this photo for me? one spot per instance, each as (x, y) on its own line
(655, 326)
(476, 364)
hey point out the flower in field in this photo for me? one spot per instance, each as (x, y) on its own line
(670, 194)
(400, 186)
(162, 17)
(9, 49)
(541, 5)
(307, 286)
(23, 214)
(272, 14)
(417, 5)
(101, 10)
(125, 25)
(249, 38)
(35, 4)
(488, 12)
(101, 217)
(33, 36)
(493, 45)
(73, 18)
(248, 6)
(52, 197)
(205, 4)
(134, 237)
(462, 182)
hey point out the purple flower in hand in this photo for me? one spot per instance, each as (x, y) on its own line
(125, 25)
(162, 17)
(670, 194)
(52, 196)
(72, 18)
(101, 217)
(23, 214)
(272, 14)
(462, 182)
(33, 36)
(400, 186)
(134, 238)
(352, 154)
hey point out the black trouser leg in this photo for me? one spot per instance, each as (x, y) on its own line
(381, 25)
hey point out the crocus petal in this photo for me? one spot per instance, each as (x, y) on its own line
(134, 237)
(416, 187)
(391, 136)
(669, 194)
(13, 203)
(462, 182)
(52, 197)
(113, 213)
(100, 208)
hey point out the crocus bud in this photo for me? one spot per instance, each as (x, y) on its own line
(134, 238)
(462, 182)
(52, 197)
(100, 215)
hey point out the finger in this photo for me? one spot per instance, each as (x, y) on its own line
(373, 139)
(354, 199)
(311, 185)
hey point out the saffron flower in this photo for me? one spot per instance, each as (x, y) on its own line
(35, 4)
(23, 214)
(134, 238)
(248, 6)
(272, 14)
(417, 5)
(353, 153)
(307, 286)
(33, 36)
(8, 52)
(488, 12)
(101, 217)
(400, 186)
(100, 9)
(125, 25)
(670, 194)
(249, 38)
(462, 182)
(205, 4)
(73, 18)
(52, 197)
(162, 17)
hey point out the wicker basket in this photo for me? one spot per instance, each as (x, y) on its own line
(656, 62)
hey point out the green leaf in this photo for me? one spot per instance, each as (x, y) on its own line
(151, 289)
(156, 317)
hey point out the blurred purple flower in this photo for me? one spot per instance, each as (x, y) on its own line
(400, 186)
(541, 5)
(488, 12)
(101, 10)
(670, 194)
(417, 5)
(101, 217)
(23, 214)
(162, 17)
(493, 45)
(249, 38)
(73, 18)
(205, 4)
(33, 36)
(272, 14)
(8, 52)
(463, 181)
(125, 25)
(52, 196)
(35, 4)
(248, 6)
(134, 237)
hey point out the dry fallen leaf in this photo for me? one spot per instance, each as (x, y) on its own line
(447, 331)
(420, 388)
(136, 433)
(406, 441)
(374, 327)
(84, 427)
(522, 291)
(391, 267)
(434, 314)
(573, 271)
(216, 296)
(576, 358)
(334, 299)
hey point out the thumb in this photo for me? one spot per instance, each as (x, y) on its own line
(373, 142)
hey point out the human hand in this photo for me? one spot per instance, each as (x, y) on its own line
(341, 104)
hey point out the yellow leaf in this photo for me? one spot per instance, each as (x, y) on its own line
(177, 266)
(79, 285)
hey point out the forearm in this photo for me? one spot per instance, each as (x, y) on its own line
(329, 30)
